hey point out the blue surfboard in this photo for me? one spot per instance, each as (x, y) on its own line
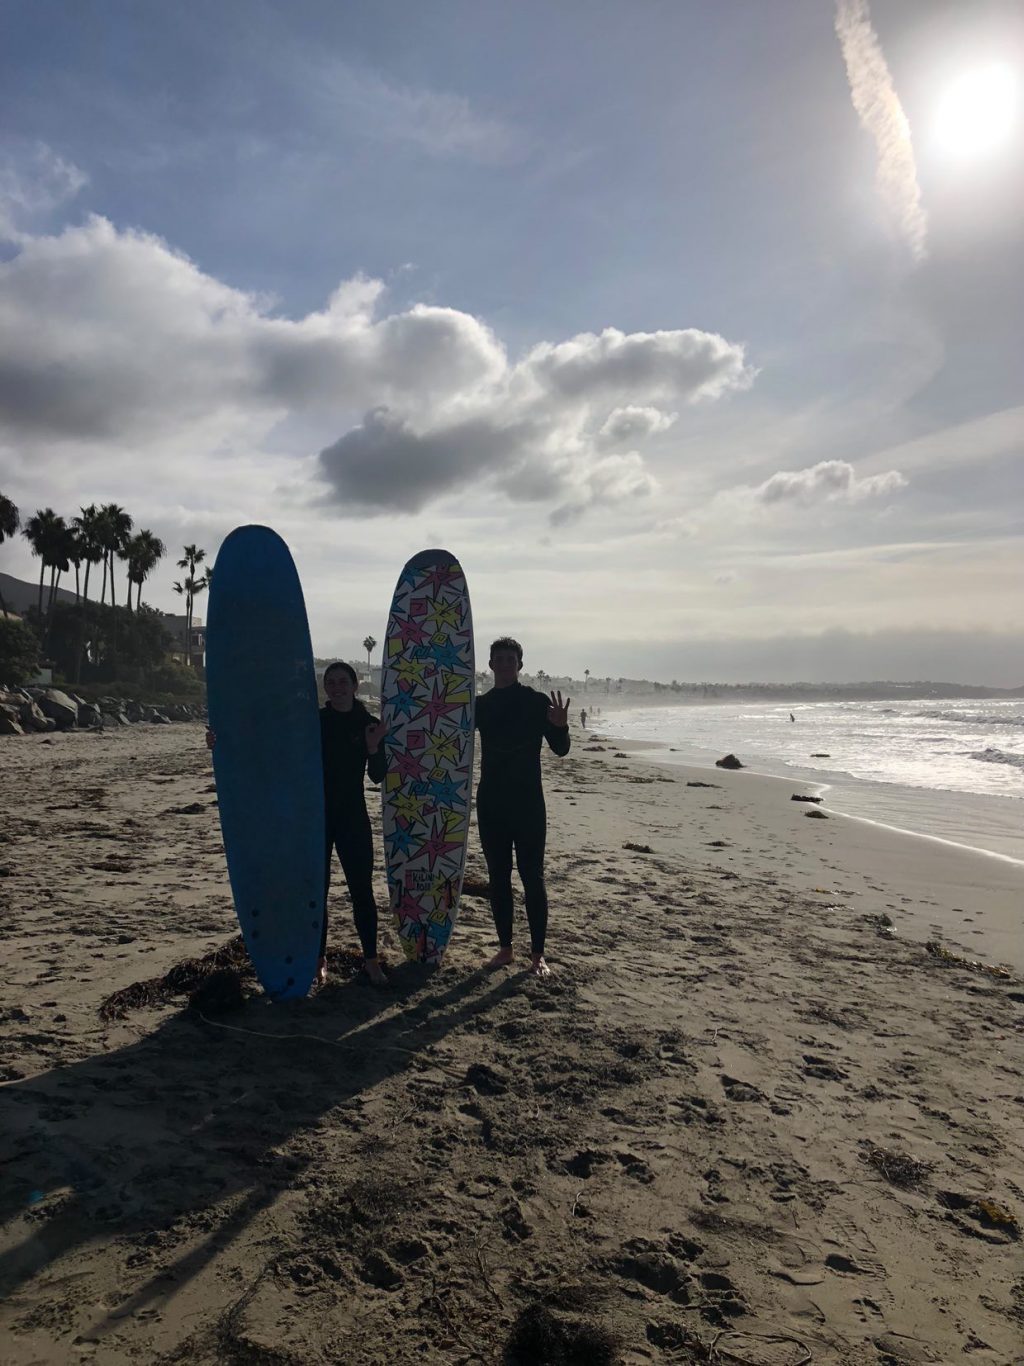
(262, 697)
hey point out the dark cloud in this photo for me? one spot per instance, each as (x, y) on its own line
(384, 464)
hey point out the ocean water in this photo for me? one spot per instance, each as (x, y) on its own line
(952, 769)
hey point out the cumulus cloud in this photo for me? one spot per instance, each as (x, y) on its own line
(827, 482)
(539, 429)
(632, 423)
(677, 366)
(609, 481)
(386, 464)
(107, 334)
(112, 338)
(881, 115)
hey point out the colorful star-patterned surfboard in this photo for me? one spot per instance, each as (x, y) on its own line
(427, 691)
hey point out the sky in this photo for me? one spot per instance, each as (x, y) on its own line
(693, 330)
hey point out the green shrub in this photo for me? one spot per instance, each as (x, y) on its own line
(176, 679)
(19, 652)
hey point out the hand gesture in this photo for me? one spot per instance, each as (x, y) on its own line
(558, 711)
(211, 738)
(374, 735)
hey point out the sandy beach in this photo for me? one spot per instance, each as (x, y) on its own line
(770, 1108)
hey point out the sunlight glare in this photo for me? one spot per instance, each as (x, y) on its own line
(977, 112)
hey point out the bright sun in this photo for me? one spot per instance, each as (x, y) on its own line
(977, 112)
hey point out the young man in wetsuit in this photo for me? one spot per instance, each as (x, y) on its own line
(513, 722)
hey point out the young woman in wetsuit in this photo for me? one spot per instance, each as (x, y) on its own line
(350, 740)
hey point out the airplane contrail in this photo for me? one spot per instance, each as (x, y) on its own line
(881, 114)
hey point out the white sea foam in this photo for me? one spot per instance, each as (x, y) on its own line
(954, 770)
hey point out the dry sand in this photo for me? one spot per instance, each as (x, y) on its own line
(743, 1122)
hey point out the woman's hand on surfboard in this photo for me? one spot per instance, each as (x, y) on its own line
(211, 739)
(558, 711)
(374, 735)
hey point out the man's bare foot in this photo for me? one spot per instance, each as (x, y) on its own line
(374, 971)
(540, 968)
(501, 959)
(321, 973)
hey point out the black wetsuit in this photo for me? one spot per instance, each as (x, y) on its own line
(511, 817)
(343, 740)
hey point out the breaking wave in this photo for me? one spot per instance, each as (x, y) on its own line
(999, 756)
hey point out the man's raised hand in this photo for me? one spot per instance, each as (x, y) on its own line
(558, 711)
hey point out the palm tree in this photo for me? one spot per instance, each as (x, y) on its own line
(76, 555)
(586, 679)
(190, 589)
(369, 645)
(144, 554)
(60, 562)
(45, 532)
(89, 528)
(10, 520)
(115, 529)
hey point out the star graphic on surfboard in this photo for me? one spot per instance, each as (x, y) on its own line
(401, 840)
(437, 706)
(407, 765)
(437, 846)
(444, 654)
(443, 747)
(409, 807)
(443, 576)
(444, 613)
(445, 792)
(401, 701)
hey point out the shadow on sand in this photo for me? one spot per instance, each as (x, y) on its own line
(154, 1134)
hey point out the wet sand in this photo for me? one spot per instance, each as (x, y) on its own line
(744, 1121)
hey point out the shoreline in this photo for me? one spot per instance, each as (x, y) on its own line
(864, 788)
(990, 885)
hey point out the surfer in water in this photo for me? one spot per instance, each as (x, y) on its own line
(351, 744)
(513, 722)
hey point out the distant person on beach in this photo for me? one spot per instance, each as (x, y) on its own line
(514, 721)
(583, 718)
(350, 740)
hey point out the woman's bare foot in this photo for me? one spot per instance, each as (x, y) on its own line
(374, 971)
(321, 973)
(501, 959)
(540, 968)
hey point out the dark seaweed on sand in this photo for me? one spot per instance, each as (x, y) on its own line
(213, 983)
(182, 979)
(898, 1168)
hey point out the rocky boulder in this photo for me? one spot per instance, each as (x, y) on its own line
(9, 720)
(180, 711)
(729, 761)
(32, 717)
(57, 705)
(89, 716)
